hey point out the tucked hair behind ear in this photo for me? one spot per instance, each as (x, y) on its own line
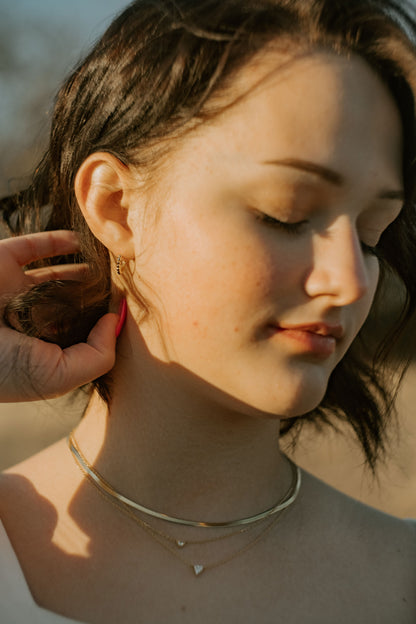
(153, 75)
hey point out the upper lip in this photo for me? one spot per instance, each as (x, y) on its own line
(322, 329)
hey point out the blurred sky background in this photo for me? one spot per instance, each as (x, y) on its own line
(40, 41)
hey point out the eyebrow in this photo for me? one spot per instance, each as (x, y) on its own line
(327, 174)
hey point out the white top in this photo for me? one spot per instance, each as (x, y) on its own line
(17, 605)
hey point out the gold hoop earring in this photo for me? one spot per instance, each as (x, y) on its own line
(120, 264)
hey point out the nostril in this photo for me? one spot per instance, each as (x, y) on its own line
(339, 267)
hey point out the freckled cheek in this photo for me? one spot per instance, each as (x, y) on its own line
(229, 296)
(219, 281)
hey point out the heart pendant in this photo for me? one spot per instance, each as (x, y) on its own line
(198, 569)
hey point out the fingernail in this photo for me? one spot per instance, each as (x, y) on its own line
(122, 312)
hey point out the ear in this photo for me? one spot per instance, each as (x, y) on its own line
(103, 190)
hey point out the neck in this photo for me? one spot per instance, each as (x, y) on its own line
(169, 446)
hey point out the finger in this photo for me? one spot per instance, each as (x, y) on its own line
(60, 272)
(96, 356)
(31, 247)
(31, 369)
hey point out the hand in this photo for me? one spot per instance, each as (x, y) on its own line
(31, 369)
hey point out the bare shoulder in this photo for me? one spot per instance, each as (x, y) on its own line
(378, 533)
(33, 490)
(365, 548)
(24, 482)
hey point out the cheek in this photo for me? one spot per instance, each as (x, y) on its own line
(373, 280)
(209, 284)
(363, 306)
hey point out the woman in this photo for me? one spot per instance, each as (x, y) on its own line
(241, 173)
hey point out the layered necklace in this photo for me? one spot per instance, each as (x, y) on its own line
(260, 524)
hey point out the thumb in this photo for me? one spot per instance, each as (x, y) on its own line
(84, 362)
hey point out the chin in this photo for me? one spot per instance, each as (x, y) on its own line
(296, 405)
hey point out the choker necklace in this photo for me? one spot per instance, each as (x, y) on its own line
(106, 488)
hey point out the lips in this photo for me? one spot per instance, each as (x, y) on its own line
(321, 329)
(317, 339)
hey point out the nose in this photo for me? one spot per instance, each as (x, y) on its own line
(339, 268)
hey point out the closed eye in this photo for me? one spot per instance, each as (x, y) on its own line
(286, 226)
(373, 228)
(370, 250)
(374, 234)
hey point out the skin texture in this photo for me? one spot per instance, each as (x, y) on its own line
(199, 387)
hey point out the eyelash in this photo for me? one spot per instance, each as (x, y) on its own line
(290, 228)
(294, 228)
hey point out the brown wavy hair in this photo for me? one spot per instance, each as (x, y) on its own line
(153, 74)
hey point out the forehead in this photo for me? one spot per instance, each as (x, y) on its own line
(321, 107)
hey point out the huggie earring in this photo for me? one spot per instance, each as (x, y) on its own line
(120, 264)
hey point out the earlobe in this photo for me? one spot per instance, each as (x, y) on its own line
(102, 187)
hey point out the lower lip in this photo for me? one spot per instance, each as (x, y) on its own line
(308, 342)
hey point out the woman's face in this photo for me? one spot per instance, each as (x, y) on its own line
(259, 256)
